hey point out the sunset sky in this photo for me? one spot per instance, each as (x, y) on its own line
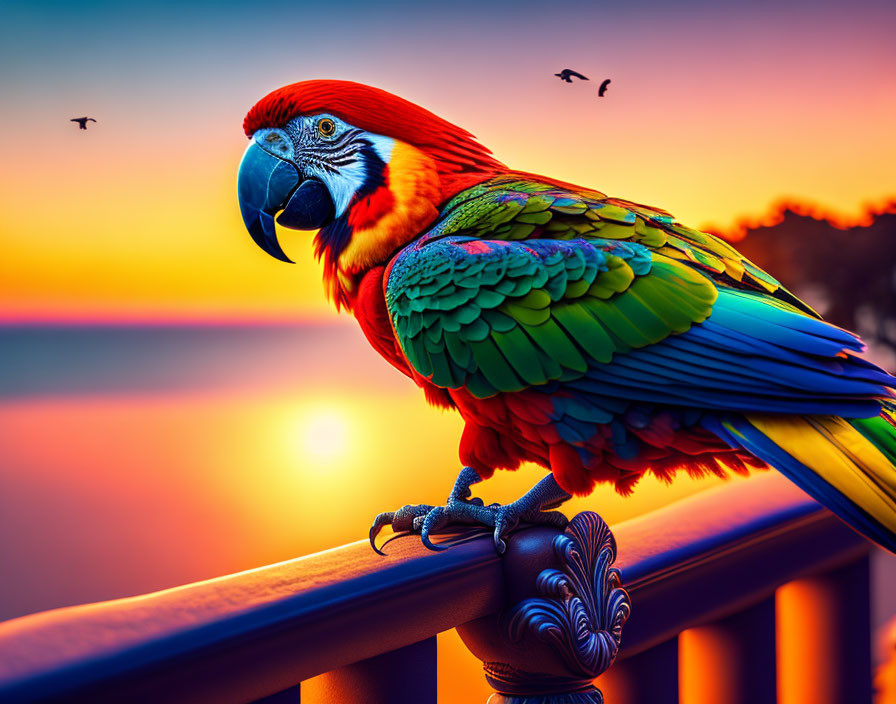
(715, 111)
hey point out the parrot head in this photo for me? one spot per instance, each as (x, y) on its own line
(366, 169)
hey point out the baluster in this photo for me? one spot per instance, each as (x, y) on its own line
(650, 677)
(824, 639)
(731, 660)
(564, 619)
(403, 676)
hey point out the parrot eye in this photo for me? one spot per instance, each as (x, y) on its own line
(326, 127)
(272, 137)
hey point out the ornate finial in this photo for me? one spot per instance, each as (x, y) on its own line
(549, 646)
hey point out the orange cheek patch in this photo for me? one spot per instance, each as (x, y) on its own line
(368, 211)
(394, 214)
(386, 220)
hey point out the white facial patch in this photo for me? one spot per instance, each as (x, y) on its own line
(344, 183)
(382, 146)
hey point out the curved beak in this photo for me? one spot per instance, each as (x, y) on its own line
(267, 185)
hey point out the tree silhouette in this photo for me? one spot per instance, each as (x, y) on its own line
(847, 274)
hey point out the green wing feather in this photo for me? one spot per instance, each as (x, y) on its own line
(521, 282)
(516, 206)
(519, 314)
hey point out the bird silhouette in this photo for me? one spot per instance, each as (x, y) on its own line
(603, 88)
(567, 75)
(82, 121)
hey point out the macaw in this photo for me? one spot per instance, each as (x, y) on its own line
(596, 337)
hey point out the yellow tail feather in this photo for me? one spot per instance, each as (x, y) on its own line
(841, 456)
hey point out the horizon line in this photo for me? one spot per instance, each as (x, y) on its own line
(151, 321)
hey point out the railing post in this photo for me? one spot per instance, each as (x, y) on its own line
(564, 616)
(824, 639)
(731, 660)
(403, 676)
(650, 677)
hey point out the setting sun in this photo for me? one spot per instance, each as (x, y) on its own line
(325, 433)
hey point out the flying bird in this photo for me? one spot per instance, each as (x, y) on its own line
(596, 337)
(603, 88)
(82, 121)
(568, 74)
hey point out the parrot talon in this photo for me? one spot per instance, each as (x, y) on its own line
(506, 519)
(428, 520)
(382, 519)
(402, 519)
(435, 519)
(429, 545)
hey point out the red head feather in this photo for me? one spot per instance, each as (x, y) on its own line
(461, 161)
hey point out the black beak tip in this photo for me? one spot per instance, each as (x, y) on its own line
(281, 256)
(264, 235)
(274, 250)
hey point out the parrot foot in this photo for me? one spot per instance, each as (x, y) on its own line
(460, 508)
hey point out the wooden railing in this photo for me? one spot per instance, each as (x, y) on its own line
(724, 586)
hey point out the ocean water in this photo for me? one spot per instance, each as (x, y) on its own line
(137, 458)
(93, 360)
